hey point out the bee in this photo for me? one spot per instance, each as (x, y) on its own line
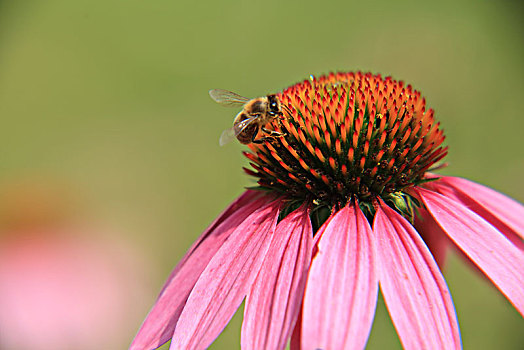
(255, 115)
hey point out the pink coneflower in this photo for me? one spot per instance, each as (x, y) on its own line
(63, 286)
(59, 291)
(344, 204)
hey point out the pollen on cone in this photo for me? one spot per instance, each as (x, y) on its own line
(348, 135)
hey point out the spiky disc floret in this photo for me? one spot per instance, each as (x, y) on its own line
(348, 135)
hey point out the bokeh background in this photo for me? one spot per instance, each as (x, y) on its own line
(107, 129)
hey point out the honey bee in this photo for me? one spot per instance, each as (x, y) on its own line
(255, 115)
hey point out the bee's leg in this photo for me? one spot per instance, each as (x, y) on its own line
(261, 140)
(271, 136)
(273, 132)
(264, 139)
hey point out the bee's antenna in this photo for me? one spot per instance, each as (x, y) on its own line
(287, 109)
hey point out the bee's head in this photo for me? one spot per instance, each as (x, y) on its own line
(274, 105)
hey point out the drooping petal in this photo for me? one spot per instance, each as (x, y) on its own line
(248, 198)
(342, 286)
(414, 289)
(274, 301)
(433, 235)
(294, 343)
(160, 323)
(491, 251)
(506, 214)
(225, 281)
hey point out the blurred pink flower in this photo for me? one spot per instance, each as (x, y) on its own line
(59, 291)
(348, 207)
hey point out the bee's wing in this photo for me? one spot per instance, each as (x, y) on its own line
(230, 134)
(227, 136)
(227, 98)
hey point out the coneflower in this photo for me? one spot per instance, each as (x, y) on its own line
(345, 203)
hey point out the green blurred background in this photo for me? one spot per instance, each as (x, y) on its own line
(111, 98)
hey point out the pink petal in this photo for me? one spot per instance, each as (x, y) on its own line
(273, 304)
(414, 290)
(506, 214)
(342, 288)
(159, 325)
(245, 199)
(225, 281)
(433, 235)
(500, 260)
(294, 343)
